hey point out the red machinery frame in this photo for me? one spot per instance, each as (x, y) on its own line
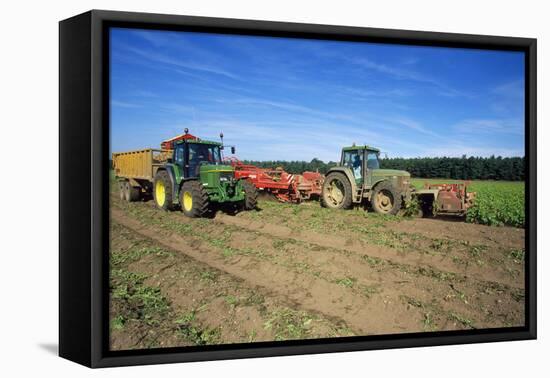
(286, 187)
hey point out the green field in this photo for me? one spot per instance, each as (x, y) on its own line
(497, 203)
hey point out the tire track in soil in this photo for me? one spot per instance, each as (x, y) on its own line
(204, 287)
(384, 285)
(492, 236)
(340, 243)
(309, 293)
(385, 282)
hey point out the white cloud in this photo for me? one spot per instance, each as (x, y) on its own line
(407, 74)
(476, 151)
(513, 89)
(182, 63)
(413, 125)
(123, 104)
(490, 126)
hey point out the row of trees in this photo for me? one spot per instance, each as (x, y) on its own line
(464, 168)
(471, 168)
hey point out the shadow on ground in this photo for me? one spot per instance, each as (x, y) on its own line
(51, 348)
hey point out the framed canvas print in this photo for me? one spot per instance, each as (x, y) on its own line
(234, 188)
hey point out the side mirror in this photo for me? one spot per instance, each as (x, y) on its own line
(233, 150)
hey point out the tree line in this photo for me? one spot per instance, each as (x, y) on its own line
(463, 168)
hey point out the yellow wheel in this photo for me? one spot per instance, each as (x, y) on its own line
(187, 201)
(162, 191)
(194, 199)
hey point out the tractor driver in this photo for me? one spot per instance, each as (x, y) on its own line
(356, 166)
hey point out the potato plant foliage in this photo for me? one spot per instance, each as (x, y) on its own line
(498, 203)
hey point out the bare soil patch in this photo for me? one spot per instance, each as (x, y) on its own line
(319, 273)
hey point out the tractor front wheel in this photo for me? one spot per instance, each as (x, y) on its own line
(336, 192)
(162, 191)
(385, 199)
(251, 195)
(194, 199)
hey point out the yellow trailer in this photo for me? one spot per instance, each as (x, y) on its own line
(136, 170)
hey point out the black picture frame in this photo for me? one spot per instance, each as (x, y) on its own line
(83, 196)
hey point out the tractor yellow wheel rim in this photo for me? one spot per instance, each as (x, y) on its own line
(160, 193)
(187, 201)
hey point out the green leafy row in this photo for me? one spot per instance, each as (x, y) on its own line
(498, 204)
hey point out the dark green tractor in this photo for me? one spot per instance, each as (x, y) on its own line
(195, 178)
(358, 179)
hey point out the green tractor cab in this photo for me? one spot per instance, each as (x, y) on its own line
(358, 179)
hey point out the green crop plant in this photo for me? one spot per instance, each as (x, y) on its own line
(498, 203)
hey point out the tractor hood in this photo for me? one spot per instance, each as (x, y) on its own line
(211, 168)
(390, 173)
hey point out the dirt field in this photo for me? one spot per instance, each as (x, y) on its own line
(301, 271)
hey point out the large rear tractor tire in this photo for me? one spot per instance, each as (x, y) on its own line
(194, 199)
(337, 192)
(251, 195)
(162, 191)
(386, 199)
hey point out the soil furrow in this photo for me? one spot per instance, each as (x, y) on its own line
(310, 294)
(488, 273)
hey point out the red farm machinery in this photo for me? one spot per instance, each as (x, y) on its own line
(445, 198)
(286, 187)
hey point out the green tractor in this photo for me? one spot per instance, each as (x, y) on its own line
(358, 179)
(187, 173)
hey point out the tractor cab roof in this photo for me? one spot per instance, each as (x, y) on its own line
(169, 144)
(199, 141)
(360, 148)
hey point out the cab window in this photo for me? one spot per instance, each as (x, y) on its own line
(354, 161)
(179, 155)
(372, 160)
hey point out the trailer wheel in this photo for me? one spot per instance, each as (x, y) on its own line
(251, 195)
(385, 199)
(134, 193)
(127, 191)
(336, 192)
(162, 191)
(122, 190)
(194, 199)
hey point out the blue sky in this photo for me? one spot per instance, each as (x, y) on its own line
(295, 99)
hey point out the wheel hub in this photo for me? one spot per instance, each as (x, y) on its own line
(187, 201)
(335, 193)
(160, 193)
(384, 200)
